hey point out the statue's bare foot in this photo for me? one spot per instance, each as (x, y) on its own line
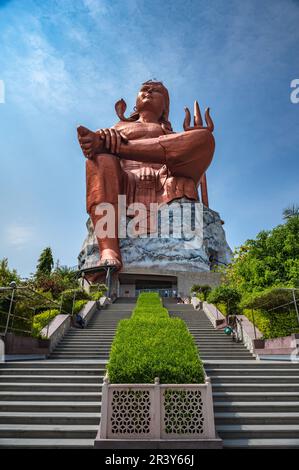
(110, 257)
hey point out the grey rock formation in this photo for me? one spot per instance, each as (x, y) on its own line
(184, 247)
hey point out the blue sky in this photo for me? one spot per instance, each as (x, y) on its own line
(66, 62)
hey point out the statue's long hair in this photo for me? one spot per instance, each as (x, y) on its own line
(121, 107)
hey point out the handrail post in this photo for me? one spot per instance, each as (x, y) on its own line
(61, 302)
(32, 319)
(253, 321)
(74, 297)
(296, 306)
(10, 307)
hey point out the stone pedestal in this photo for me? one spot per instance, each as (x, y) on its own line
(188, 251)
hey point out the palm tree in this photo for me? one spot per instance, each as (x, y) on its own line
(291, 211)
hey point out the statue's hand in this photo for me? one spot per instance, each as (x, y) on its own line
(112, 139)
(197, 120)
(91, 142)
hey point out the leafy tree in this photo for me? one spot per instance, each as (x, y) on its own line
(7, 275)
(61, 279)
(202, 291)
(230, 296)
(45, 263)
(291, 211)
(272, 259)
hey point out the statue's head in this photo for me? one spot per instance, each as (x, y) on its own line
(152, 96)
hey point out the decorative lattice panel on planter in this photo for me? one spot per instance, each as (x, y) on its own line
(182, 412)
(154, 411)
(130, 412)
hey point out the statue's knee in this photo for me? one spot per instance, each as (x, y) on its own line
(106, 161)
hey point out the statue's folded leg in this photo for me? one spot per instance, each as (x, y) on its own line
(185, 154)
(189, 153)
(105, 181)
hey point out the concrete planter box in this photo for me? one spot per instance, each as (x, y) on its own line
(283, 346)
(60, 325)
(157, 416)
(25, 345)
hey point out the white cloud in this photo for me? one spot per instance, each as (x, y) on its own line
(96, 8)
(38, 76)
(18, 235)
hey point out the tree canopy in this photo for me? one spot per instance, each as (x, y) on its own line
(272, 259)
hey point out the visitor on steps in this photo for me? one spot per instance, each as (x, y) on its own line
(79, 321)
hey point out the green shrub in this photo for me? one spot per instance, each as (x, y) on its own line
(96, 295)
(149, 313)
(78, 305)
(41, 320)
(202, 291)
(149, 298)
(68, 297)
(273, 324)
(228, 295)
(151, 345)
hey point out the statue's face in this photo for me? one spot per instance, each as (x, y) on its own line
(150, 98)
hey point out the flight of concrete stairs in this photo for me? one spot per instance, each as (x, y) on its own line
(256, 403)
(56, 403)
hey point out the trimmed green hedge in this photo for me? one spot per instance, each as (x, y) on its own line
(41, 320)
(150, 345)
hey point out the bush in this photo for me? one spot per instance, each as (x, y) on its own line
(96, 295)
(41, 320)
(68, 297)
(273, 325)
(202, 292)
(150, 345)
(228, 295)
(78, 305)
(149, 298)
(149, 313)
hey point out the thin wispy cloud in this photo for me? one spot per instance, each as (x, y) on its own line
(18, 235)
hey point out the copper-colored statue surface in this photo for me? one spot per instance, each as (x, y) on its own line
(142, 158)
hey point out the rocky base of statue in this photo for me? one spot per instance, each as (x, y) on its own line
(192, 251)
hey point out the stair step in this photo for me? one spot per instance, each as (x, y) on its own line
(256, 396)
(256, 406)
(50, 364)
(48, 431)
(47, 443)
(235, 431)
(256, 418)
(35, 379)
(261, 443)
(238, 379)
(49, 418)
(256, 387)
(253, 372)
(51, 406)
(50, 387)
(49, 396)
(22, 373)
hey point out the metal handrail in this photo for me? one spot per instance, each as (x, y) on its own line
(29, 294)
